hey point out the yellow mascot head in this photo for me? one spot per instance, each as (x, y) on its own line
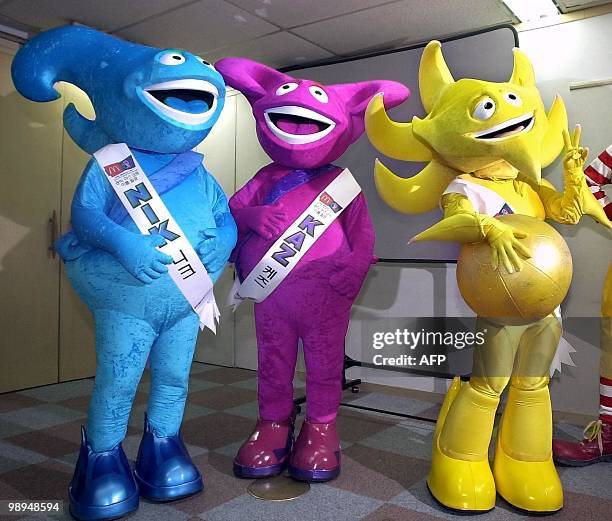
(470, 125)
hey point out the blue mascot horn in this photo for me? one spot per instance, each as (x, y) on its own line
(158, 100)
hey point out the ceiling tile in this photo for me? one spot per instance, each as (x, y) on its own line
(573, 5)
(276, 50)
(208, 24)
(107, 15)
(407, 21)
(291, 13)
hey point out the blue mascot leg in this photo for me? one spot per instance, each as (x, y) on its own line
(103, 486)
(123, 344)
(164, 471)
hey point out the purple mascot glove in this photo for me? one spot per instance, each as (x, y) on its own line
(267, 221)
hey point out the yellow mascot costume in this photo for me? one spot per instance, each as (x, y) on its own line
(485, 144)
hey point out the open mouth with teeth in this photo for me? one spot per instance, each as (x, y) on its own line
(297, 125)
(508, 128)
(191, 102)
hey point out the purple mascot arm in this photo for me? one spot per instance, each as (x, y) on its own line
(250, 215)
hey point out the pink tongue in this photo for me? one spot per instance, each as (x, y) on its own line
(300, 129)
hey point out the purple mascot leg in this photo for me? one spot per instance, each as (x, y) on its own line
(277, 348)
(266, 452)
(316, 456)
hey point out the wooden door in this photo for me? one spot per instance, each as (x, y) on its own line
(30, 179)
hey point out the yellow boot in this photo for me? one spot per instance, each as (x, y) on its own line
(460, 477)
(524, 472)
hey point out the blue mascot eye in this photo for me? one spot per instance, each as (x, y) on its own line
(204, 62)
(172, 58)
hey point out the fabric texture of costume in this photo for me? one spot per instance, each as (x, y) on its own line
(161, 104)
(599, 174)
(303, 126)
(485, 144)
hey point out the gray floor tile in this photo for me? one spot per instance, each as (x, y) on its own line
(407, 439)
(321, 502)
(13, 456)
(42, 416)
(246, 410)
(64, 391)
(594, 480)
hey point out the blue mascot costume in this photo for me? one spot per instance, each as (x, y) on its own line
(161, 104)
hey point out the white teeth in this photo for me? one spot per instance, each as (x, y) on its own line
(508, 124)
(186, 84)
(298, 139)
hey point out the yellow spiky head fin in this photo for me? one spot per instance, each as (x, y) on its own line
(470, 124)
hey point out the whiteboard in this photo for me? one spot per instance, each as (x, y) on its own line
(485, 55)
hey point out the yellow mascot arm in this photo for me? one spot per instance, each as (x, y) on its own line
(576, 200)
(461, 223)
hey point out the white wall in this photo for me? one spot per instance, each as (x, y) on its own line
(562, 55)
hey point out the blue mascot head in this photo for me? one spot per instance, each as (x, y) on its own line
(162, 101)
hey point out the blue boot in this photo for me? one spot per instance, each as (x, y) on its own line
(103, 486)
(164, 471)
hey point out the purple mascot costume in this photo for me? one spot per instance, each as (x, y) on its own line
(316, 267)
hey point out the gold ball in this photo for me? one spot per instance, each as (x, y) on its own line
(521, 297)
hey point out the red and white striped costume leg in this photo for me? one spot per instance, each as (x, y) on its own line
(605, 399)
(597, 443)
(599, 174)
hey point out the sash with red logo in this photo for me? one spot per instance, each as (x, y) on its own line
(146, 208)
(296, 240)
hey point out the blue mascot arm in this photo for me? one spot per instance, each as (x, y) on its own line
(137, 253)
(217, 243)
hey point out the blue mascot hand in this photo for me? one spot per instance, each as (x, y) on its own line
(141, 258)
(214, 248)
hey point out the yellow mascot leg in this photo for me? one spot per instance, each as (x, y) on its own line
(460, 476)
(524, 472)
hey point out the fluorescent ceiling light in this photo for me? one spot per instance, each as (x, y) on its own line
(530, 10)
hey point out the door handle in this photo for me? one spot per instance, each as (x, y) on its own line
(52, 223)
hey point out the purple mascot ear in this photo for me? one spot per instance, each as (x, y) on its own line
(253, 79)
(356, 97)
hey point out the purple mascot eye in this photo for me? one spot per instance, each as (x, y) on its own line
(286, 88)
(319, 94)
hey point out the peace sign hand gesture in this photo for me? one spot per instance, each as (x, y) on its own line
(577, 200)
(575, 155)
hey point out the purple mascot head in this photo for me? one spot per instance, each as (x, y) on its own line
(301, 123)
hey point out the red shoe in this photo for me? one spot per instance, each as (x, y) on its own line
(316, 453)
(266, 452)
(595, 447)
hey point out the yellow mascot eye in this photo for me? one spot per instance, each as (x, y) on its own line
(513, 99)
(485, 109)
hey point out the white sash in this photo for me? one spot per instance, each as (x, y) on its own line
(296, 240)
(483, 199)
(148, 211)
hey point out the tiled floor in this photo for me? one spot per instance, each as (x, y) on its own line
(385, 459)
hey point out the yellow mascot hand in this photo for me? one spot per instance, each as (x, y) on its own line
(575, 155)
(461, 223)
(577, 199)
(505, 245)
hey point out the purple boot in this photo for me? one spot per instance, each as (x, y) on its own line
(266, 452)
(316, 453)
